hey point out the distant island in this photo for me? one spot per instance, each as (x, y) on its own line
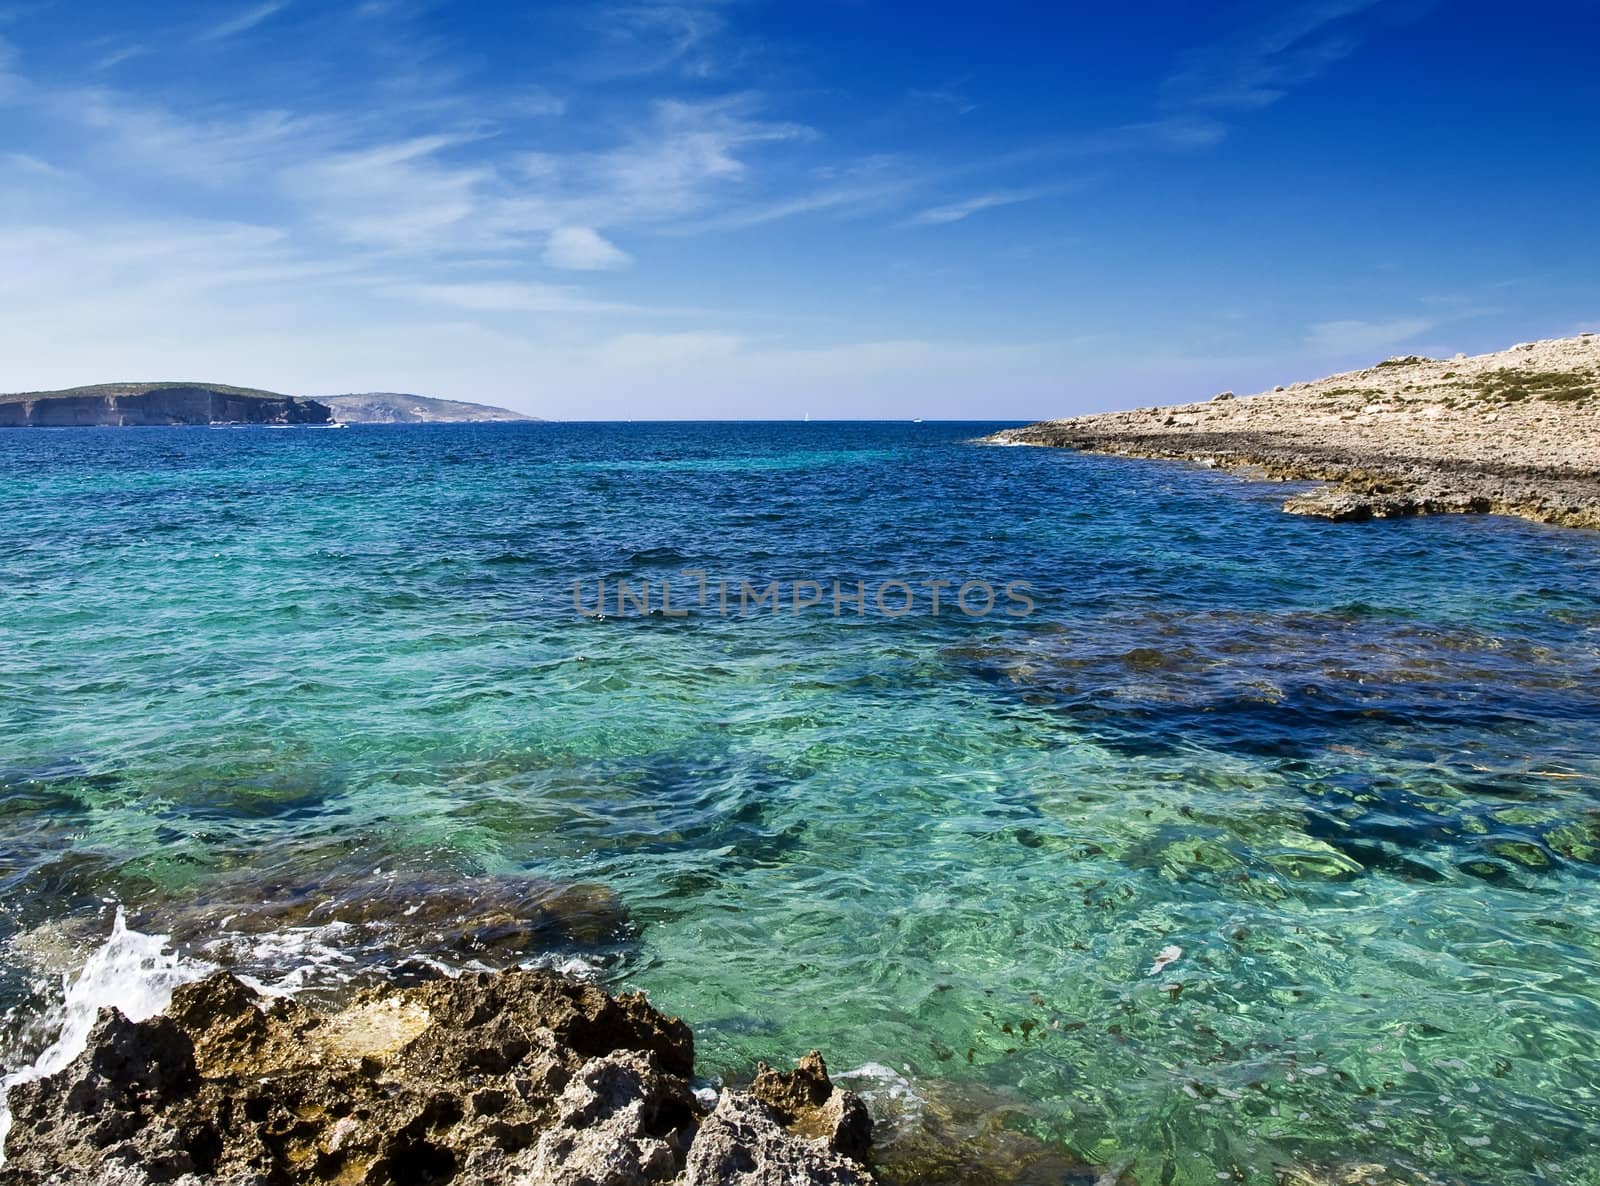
(390, 407)
(1515, 432)
(166, 403)
(127, 405)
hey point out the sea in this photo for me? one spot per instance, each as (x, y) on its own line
(1183, 840)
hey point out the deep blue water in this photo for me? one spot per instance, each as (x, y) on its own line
(1350, 770)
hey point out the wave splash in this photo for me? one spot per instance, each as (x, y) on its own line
(132, 971)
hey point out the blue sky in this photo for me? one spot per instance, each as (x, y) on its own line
(764, 209)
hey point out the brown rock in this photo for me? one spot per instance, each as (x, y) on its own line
(806, 1102)
(490, 1079)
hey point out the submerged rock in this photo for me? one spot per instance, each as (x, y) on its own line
(503, 918)
(945, 1132)
(329, 932)
(523, 1077)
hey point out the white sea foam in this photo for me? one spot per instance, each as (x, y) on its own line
(575, 966)
(284, 962)
(889, 1095)
(134, 972)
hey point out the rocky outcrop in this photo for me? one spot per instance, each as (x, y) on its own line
(741, 1144)
(1516, 432)
(158, 406)
(806, 1101)
(495, 1078)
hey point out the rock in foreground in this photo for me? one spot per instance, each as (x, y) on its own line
(511, 1077)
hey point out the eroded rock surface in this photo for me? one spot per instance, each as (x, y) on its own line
(523, 1077)
(806, 1101)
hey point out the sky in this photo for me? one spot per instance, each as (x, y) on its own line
(776, 208)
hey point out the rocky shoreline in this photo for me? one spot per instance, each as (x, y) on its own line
(503, 1077)
(1515, 432)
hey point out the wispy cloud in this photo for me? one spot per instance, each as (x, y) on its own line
(398, 195)
(941, 97)
(648, 38)
(213, 149)
(1257, 66)
(24, 162)
(854, 199)
(583, 249)
(1357, 337)
(244, 21)
(667, 165)
(967, 207)
(118, 56)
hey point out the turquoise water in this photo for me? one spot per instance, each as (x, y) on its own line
(1350, 770)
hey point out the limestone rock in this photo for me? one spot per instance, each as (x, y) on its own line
(494, 1079)
(743, 1143)
(806, 1101)
(1514, 432)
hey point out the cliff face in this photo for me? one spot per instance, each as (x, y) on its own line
(159, 406)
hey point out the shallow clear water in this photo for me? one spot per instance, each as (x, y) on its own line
(1353, 771)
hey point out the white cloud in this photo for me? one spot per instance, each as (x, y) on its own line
(398, 195)
(1359, 337)
(118, 56)
(582, 249)
(243, 22)
(687, 149)
(872, 189)
(956, 211)
(213, 150)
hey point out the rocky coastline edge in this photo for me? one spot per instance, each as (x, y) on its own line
(1516, 432)
(528, 1077)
